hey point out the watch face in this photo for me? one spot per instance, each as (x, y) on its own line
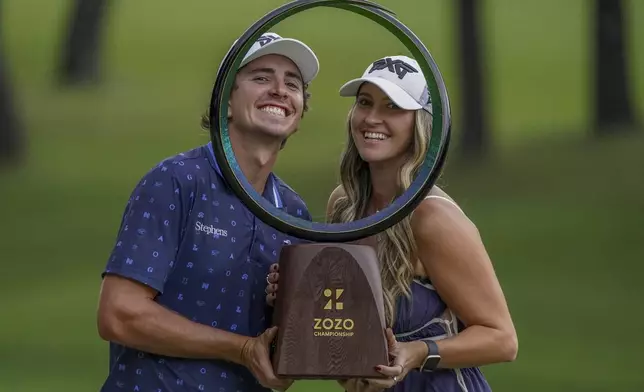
(432, 362)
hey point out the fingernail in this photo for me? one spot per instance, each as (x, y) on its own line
(378, 368)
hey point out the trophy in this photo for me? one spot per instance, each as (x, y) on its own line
(330, 312)
(329, 308)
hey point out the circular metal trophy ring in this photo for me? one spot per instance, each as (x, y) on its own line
(318, 231)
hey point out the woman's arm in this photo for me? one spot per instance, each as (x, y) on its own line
(454, 257)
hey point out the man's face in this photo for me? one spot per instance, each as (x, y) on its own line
(269, 97)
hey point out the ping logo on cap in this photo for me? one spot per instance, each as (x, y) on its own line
(399, 67)
(266, 38)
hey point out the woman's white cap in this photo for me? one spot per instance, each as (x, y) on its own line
(399, 77)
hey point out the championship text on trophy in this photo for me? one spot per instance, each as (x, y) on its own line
(330, 313)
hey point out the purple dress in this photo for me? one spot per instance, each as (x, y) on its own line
(425, 316)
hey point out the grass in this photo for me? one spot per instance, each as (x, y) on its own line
(560, 214)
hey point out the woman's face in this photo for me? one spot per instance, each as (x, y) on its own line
(381, 131)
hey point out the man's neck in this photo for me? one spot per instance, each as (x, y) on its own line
(256, 157)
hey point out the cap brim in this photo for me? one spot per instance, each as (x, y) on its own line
(395, 93)
(303, 57)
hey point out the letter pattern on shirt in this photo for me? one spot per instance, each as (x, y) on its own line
(185, 234)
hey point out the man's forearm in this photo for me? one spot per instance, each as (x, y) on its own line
(157, 330)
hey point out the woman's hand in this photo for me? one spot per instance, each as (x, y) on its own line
(271, 284)
(405, 356)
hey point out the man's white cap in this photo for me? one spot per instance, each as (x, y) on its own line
(297, 51)
(400, 77)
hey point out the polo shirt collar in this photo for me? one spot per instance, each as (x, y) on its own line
(271, 190)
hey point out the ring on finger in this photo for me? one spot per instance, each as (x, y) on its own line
(267, 276)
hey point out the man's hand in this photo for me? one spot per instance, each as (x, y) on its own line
(255, 356)
(271, 284)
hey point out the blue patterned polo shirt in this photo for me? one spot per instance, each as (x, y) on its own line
(185, 234)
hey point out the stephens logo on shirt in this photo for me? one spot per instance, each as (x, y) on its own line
(211, 230)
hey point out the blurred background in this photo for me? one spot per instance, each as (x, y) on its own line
(547, 101)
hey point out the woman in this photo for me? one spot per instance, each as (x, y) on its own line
(441, 294)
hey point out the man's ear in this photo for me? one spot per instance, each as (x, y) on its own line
(230, 112)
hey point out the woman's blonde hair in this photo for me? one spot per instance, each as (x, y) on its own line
(396, 247)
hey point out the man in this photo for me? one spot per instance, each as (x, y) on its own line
(182, 299)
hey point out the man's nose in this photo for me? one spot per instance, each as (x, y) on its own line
(279, 89)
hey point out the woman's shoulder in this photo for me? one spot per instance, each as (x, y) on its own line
(439, 211)
(438, 198)
(337, 193)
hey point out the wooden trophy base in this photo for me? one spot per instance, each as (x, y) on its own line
(330, 313)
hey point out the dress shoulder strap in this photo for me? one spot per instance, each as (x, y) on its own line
(444, 198)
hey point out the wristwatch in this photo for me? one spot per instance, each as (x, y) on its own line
(433, 357)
